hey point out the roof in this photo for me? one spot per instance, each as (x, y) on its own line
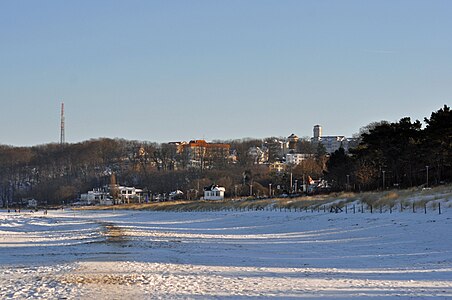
(214, 187)
(203, 143)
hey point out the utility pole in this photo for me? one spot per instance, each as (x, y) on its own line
(197, 191)
(427, 174)
(291, 183)
(305, 186)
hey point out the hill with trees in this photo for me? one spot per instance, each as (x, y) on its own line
(401, 154)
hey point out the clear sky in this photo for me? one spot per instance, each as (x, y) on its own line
(179, 70)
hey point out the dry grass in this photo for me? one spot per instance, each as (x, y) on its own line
(384, 199)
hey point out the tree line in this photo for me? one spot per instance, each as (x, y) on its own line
(398, 154)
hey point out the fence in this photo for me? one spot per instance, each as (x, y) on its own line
(331, 208)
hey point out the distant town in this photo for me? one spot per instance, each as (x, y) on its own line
(114, 171)
(278, 154)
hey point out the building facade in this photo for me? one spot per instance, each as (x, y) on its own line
(258, 155)
(112, 194)
(296, 158)
(331, 143)
(214, 192)
(292, 143)
(95, 197)
(203, 155)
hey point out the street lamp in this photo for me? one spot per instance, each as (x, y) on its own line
(348, 182)
(384, 179)
(270, 190)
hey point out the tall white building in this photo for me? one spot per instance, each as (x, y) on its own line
(331, 143)
(317, 131)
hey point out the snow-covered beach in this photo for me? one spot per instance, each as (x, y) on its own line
(204, 255)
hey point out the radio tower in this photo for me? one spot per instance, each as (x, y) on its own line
(62, 124)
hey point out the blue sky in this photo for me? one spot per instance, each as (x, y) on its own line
(179, 70)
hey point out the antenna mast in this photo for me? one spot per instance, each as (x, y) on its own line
(62, 141)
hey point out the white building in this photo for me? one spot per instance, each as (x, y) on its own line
(104, 196)
(214, 192)
(296, 158)
(331, 143)
(96, 196)
(175, 195)
(277, 147)
(130, 194)
(33, 203)
(259, 156)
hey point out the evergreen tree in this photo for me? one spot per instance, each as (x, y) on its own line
(437, 144)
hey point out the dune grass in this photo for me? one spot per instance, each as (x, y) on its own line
(382, 199)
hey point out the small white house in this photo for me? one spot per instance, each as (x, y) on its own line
(214, 192)
(33, 203)
(96, 196)
(175, 195)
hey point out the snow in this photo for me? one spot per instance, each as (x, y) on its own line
(225, 255)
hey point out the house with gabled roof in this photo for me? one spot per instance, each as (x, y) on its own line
(214, 192)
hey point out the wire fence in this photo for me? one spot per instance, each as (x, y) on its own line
(414, 207)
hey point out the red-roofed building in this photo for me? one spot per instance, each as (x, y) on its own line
(201, 154)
